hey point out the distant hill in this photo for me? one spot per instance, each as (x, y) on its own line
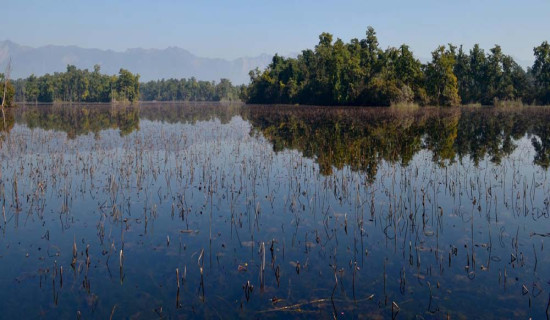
(151, 64)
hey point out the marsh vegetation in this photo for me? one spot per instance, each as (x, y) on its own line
(219, 210)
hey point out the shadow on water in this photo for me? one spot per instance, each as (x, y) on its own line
(168, 210)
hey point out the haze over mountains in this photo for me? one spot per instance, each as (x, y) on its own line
(151, 64)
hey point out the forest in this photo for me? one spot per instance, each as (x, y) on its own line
(333, 73)
(361, 73)
(77, 85)
(189, 90)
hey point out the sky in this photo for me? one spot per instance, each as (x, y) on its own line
(232, 28)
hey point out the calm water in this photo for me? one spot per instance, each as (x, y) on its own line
(222, 211)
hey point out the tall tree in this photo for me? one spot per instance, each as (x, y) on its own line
(442, 84)
(494, 75)
(478, 66)
(541, 72)
(31, 89)
(462, 71)
(127, 86)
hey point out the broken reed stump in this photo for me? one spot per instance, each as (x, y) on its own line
(394, 309)
(75, 253)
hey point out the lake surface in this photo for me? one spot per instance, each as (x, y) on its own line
(227, 211)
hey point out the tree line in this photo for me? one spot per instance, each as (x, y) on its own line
(81, 85)
(189, 90)
(333, 73)
(361, 73)
(78, 85)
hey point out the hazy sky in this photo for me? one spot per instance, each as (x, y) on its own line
(232, 28)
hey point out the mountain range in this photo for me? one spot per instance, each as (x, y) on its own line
(151, 64)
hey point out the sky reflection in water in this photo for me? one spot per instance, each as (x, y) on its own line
(358, 212)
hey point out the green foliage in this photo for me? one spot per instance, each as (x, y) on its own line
(541, 72)
(338, 73)
(333, 73)
(10, 92)
(77, 85)
(31, 88)
(189, 90)
(126, 86)
(360, 73)
(441, 82)
(463, 72)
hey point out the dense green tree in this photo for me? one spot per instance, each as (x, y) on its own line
(494, 75)
(76, 85)
(126, 86)
(441, 82)
(31, 88)
(225, 90)
(370, 52)
(408, 71)
(356, 73)
(522, 83)
(189, 90)
(360, 73)
(333, 73)
(99, 86)
(462, 70)
(47, 88)
(478, 82)
(541, 72)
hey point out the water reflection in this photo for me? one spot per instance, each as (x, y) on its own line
(335, 137)
(363, 137)
(80, 120)
(76, 120)
(7, 124)
(213, 211)
(190, 112)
